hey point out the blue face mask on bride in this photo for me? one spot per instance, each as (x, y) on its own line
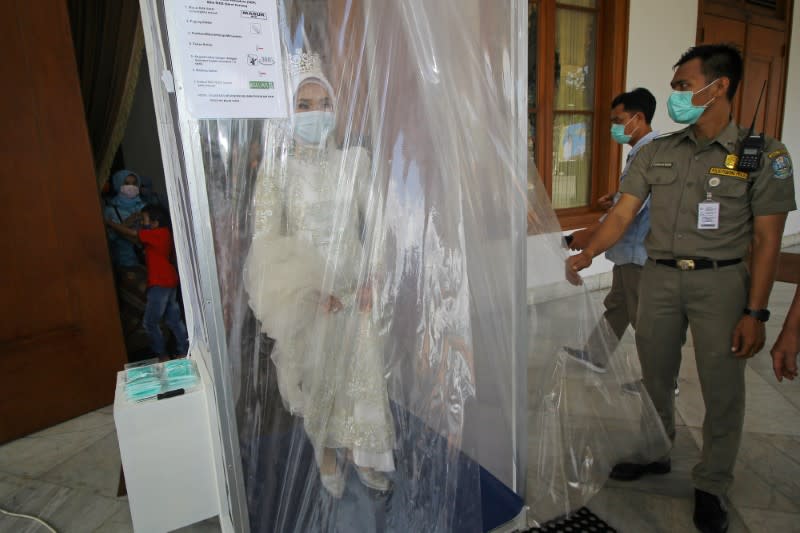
(312, 127)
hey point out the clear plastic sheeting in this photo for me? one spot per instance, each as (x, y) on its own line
(583, 419)
(357, 274)
(370, 254)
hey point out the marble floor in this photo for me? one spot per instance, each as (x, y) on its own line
(68, 474)
(764, 496)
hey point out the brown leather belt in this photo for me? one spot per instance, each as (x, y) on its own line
(696, 264)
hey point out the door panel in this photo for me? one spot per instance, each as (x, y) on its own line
(60, 338)
(763, 61)
(716, 29)
(763, 50)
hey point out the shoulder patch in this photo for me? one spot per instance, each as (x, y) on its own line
(776, 153)
(782, 166)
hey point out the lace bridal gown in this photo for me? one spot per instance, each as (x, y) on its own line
(306, 246)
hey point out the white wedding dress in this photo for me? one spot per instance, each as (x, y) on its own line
(307, 245)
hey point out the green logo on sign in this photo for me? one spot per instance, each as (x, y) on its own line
(262, 85)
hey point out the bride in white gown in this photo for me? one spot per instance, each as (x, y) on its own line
(308, 279)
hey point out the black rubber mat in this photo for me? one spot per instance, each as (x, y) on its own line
(581, 521)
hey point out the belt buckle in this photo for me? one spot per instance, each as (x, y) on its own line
(685, 264)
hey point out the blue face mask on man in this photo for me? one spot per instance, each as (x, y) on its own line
(312, 127)
(618, 132)
(682, 110)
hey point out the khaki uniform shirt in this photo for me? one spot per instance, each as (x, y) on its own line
(679, 173)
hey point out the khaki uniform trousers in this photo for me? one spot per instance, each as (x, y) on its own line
(621, 303)
(710, 302)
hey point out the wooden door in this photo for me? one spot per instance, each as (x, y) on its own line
(60, 337)
(763, 62)
(715, 29)
(764, 54)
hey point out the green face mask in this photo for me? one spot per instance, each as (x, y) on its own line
(682, 110)
(618, 132)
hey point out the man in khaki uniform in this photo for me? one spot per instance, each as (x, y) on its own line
(706, 210)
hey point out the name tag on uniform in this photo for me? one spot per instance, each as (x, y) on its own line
(708, 215)
(728, 172)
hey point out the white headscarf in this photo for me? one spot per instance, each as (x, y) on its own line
(307, 68)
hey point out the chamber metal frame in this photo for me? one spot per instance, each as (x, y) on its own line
(183, 164)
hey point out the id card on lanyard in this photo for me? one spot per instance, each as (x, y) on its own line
(708, 213)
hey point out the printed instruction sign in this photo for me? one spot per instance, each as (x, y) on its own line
(227, 57)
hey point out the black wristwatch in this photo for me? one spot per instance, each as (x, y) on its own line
(759, 314)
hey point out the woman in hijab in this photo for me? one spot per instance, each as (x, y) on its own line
(308, 278)
(124, 208)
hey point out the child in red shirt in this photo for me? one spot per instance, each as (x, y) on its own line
(162, 279)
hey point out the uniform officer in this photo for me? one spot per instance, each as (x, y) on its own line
(706, 210)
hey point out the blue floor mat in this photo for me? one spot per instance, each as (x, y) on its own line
(284, 492)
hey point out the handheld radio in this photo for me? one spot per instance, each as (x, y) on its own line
(752, 145)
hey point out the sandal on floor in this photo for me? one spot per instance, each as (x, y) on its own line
(373, 479)
(333, 483)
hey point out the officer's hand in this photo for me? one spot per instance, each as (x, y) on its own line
(784, 354)
(748, 337)
(606, 201)
(575, 264)
(580, 239)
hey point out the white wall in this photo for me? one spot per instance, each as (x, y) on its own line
(659, 32)
(791, 115)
